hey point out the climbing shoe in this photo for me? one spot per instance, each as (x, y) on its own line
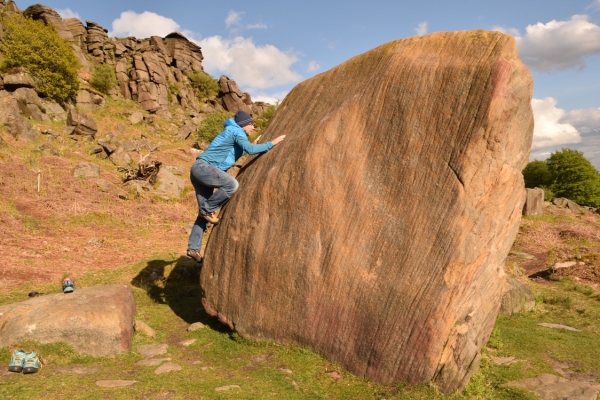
(68, 285)
(195, 255)
(31, 364)
(212, 218)
(17, 361)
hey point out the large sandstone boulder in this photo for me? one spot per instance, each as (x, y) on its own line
(376, 232)
(96, 321)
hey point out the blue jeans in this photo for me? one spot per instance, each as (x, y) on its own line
(205, 178)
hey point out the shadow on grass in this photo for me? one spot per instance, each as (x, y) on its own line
(180, 290)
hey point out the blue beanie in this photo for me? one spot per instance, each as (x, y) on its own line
(243, 118)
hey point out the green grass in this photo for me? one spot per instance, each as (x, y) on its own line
(167, 296)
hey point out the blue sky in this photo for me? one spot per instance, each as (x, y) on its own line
(267, 47)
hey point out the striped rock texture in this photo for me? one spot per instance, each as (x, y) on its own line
(376, 232)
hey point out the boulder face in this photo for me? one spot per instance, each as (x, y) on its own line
(376, 232)
(96, 321)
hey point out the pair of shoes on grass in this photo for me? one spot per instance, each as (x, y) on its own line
(28, 363)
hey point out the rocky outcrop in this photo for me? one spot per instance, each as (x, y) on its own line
(16, 80)
(83, 124)
(49, 16)
(12, 111)
(96, 321)
(534, 202)
(152, 71)
(380, 225)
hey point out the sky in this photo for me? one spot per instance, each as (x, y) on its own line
(268, 46)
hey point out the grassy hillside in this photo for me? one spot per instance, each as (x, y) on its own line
(71, 227)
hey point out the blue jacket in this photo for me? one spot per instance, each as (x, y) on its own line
(230, 145)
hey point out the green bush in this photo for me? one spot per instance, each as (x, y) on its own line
(104, 78)
(38, 48)
(263, 120)
(204, 84)
(212, 125)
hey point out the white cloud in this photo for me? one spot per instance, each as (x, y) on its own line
(256, 26)
(421, 29)
(586, 121)
(594, 6)
(559, 45)
(274, 98)
(67, 13)
(313, 67)
(142, 25)
(549, 131)
(248, 64)
(233, 18)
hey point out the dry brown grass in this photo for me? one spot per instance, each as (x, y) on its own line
(58, 230)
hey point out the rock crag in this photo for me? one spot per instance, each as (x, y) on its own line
(379, 227)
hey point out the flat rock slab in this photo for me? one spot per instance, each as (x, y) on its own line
(552, 387)
(504, 360)
(558, 326)
(229, 387)
(115, 383)
(152, 350)
(96, 321)
(152, 362)
(187, 343)
(167, 367)
(78, 370)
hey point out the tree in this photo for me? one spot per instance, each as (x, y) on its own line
(536, 174)
(38, 48)
(574, 177)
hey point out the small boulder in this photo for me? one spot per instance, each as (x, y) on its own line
(18, 80)
(109, 187)
(168, 184)
(136, 117)
(96, 321)
(195, 326)
(534, 202)
(141, 326)
(84, 125)
(517, 297)
(86, 170)
(120, 157)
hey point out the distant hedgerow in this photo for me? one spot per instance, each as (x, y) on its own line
(212, 125)
(104, 78)
(38, 48)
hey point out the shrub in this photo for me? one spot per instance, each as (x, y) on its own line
(263, 120)
(204, 84)
(38, 48)
(212, 125)
(104, 78)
